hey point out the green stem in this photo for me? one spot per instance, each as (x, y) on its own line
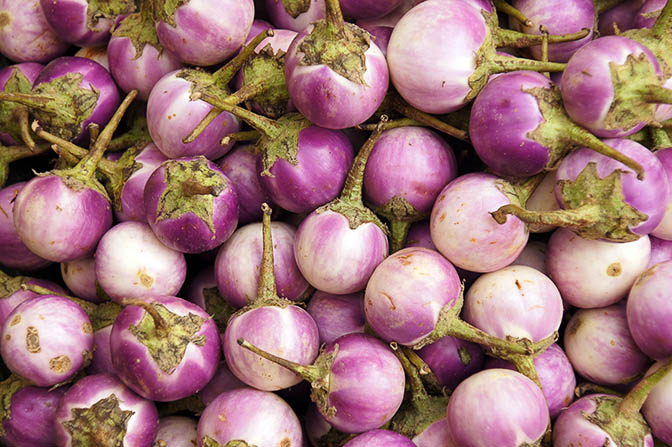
(334, 16)
(409, 111)
(418, 390)
(634, 400)
(510, 38)
(527, 188)
(502, 64)
(296, 7)
(4, 277)
(586, 388)
(69, 158)
(398, 233)
(249, 135)
(506, 8)
(224, 75)
(605, 5)
(266, 289)
(392, 124)
(94, 133)
(525, 365)
(544, 47)
(13, 153)
(656, 94)
(423, 369)
(309, 373)
(663, 23)
(159, 321)
(89, 307)
(581, 216)
(24, 126)
(27, 99)
(661, 139)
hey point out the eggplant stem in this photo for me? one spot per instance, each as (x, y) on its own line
(409, 111)
(159, 321)
(334, 16)
(516, 39)
(663, 23)
(267, 289)
(225, 74)
(633, 401)
(307, 372)
(581, 216)
(24, 126)
(94, 132)
(506, 8)
(249, 135)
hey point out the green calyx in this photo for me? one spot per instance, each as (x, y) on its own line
(10, 285)
(270, 68)
(103, 424)
(296, 7)
(333, 438)
(400, 214)
(217, 307)
(9, 111)
(657, 38)
(107, 9)
(8, 388)
(284, 144)
(104, 315)
(140, 29)
(165, 10)
(202, 81)
(167, 334)
(342, 50)
(191, 187)
(121, 172)
(625, 431)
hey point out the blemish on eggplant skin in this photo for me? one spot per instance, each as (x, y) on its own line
(4, 19)
(615, 269)
(16, 320)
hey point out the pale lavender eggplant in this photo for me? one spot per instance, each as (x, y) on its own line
(658, 407)
(649, 310)
(141, 72)
(502, 407)
(115, 413)
(413, 163)
(368, 9)
(420, 236)
(588, 88)
(664, 228)
(29, 70)
(621, 16)
(661, 251)
(237, 264)
(171, 116)
(25, 34)
(543, 199)
(337, 315)
(555, 374)
(101, 363)
(47, 340)
(335, 258)
(328, 98)
(176, 431)
(258, 25)
(452, 360)
(381, 28)
(559, 17)
(406, 293)
(240, 166)
(516, 301)
(464, 231)
(223, 380)
(600, 347)
(80, 277)
(16, 295)
(97, 54)
(379, 34)
(648, 196)
(237, 415)
(380, 438)
(132, 262)
(15, 254)
(289, 332)
(159, 376)
(594, 273)
(281, 19)
(169, 195)
(33, 411)
(533, 255)
(573, 427)
(648, 13)
(316, 425)
(437, 433)
(202, 291)
(196, 36)
(132, 193)
(324, 157)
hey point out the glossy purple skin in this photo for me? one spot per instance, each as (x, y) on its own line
(171, 116)
(648, 196)
(141, 426)
(599, 345)
(280, 18)
(102, 358)
(335, 258)
(560, 17)
(80, 277)
(33, 411)
(239, 414)
(94, 76)
(622, 15)
(133, 191)
(30, 70)
(14, 253)
(237, 266)
(223, 380)
(176, 431)
(142, 72)
(363, 401)
(203, 38)
(649, 311)
(60, 329)
(328, 99)
(430, 83)
(337, 315)
(643, 18)
(58, 223)
(443, 358)
(555, 374)
(69, 19)
(572, 428)
(380, 438)
(503, 407)
(586, 85)
(658, 407)
(8, 303)
(290, 333)
(195, 370)
(406, 293)
(132, 262)
(594, 273)
(465, 232)
(189, 233)
(324, 158)
(240, 166)
(516, 301)
(368, 9)
(664, 228)
(28, 37)
(502, 118)
(661, 251)
(413, 163)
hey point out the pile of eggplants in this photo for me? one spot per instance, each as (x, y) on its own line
(335, 223)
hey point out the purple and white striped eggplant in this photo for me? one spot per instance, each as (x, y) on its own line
(101, 362)
(379, 438)
(619, 17)
(452, 360)
(12, 293)
(165, 348)
(176, 431)
(297, 17)
(190, 204)
(658, 407)
(99, 410)
(47, 340)
(664, 228)
(533, 255)
(337, 315)
(368, 9)
(80, 277)
(223, 380)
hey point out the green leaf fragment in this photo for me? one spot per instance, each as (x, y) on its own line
(104, 424)
(107, 9)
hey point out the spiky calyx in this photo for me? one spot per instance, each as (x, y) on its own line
(107, 9)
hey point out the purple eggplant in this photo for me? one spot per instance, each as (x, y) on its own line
(337, 315)
(664, 228)
(96, 54)
(452, 360)
(176, 431)
(14, 117)
(12, 292)
(368, 9)
(657, 408)
(223, 380)
(661, 251)
(80, 277)
(379, 438)
(47, 340)
(100, 410)
(101, 362)
(533, 255)
(621, 17)
(176, 342)
(190, 204)
(298, 16)
(132, 262)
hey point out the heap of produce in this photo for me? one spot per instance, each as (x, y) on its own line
(336, 223)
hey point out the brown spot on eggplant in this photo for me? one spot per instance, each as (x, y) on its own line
(614, 269)
(60, 364)
(32, 340)
(16, 320)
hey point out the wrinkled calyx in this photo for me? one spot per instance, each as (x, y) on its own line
(140, 28)
(658, 38)
(14, 116)
(103, 423)
(296, 7)
(107, 9)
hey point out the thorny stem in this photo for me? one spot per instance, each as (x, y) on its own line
(506, 8)
(159, 322)
(409, 111)
(634, 400)
(266, 289)
(501, 64)
(309, 373)
(225, 74)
